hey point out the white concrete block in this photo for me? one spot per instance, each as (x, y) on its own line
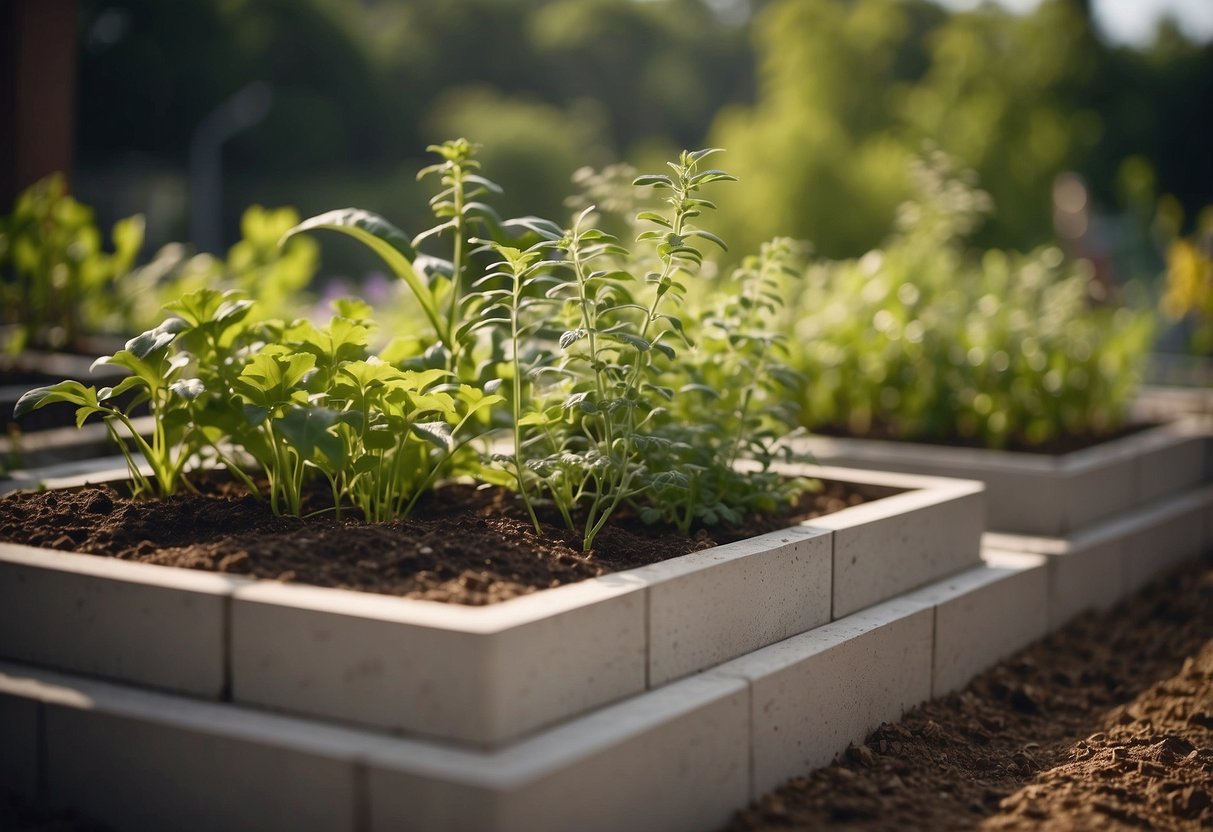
(1172, 532)
(815, 693)
(141, 760)
(984, 615)
(19, 752)
(107, 469)
(1111, 559)
(1040, 494)
(136, 622)
(1099, 486)
(478, 675)
(1086, 577)
(1085, 571)
(888, 546)
(1172, 463)
(673, 759)
(718, 604)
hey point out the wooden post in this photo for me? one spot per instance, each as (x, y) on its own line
(37, 92)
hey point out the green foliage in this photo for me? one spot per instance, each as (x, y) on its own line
(580, 335)
(158, 379)
(848, 92)
(921, 340)
(56, 280)
(275, 277)
(734, 401)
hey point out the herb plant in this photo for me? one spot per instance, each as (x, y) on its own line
(922, 340)
(277, 277)
(561, 362)
(55, 277)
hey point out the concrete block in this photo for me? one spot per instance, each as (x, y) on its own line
(139, 760)
(815, 693)
(1111, 559)
(1098, 483)
(888, 546)
(1171, 463)
(1039, 494)
(715, 605)
(1085, 571)
(135, 622)
(984, 615)
(1166, 536)
(477, 675)
(19, 747)
(673, 759)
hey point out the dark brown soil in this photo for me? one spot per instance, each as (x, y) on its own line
(464, 545)
(1055, 447)
(1106, 724)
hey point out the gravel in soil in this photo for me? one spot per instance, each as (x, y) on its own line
(1105, 724)
(465, 545)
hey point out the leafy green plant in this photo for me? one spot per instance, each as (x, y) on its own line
(437, 284)
(55, 277)
(157, 379)
(922, 340)
(735, 402)
(275, 277)
(609, 389)
(618, 338)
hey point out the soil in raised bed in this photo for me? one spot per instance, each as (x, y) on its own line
(1106, 724)
(1055, 447)
(465, 545)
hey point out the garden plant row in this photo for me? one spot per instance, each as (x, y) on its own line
(586, 376)
(682, 755)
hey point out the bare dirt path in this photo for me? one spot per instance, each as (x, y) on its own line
(1106, 724)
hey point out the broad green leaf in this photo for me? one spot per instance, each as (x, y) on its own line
(386, 240)
(309, 431)
(72, 392)
(631, 339)
(653, 216)
(571, 337)
(141, 346)
(439, 433)
(189, 389)
(707, 235)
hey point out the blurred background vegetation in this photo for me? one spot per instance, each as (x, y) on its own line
(193, 113)
(821, 104)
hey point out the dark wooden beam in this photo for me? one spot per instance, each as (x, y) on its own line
(37, 91)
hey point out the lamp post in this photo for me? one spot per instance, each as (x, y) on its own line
(243, 110)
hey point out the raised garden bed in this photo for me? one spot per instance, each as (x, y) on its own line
(480, 675)
(1051, 495)
(682, 756)
(1102, 725)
